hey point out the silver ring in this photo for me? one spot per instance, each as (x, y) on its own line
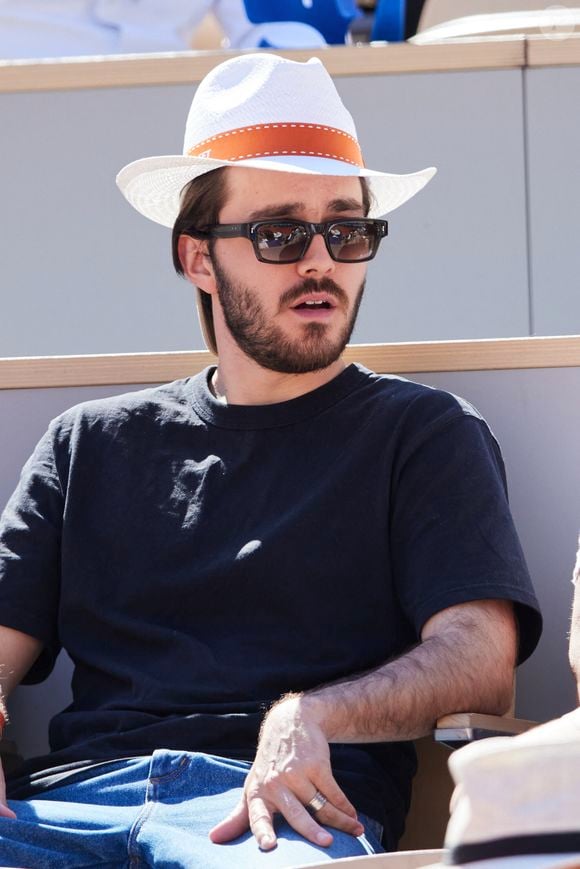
(317, 802)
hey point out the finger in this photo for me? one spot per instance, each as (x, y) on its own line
(6, 811)
(262, 822)
(330, 816)
(326, 785)
(236, 824)
(333, 816)
(301, 820)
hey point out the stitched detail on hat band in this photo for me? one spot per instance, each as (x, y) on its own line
(513, 846)
(283, 139)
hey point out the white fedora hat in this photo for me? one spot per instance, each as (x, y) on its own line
(263, 111)
(517, 801)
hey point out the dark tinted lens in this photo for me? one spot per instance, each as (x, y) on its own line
(352, 241)
(280, 242)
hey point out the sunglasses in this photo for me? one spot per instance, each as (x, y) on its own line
(286, 241)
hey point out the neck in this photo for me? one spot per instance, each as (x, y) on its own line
(251, 384)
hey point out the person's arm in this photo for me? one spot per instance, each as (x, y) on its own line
(18, 652)
(574, 649)
(465, 661)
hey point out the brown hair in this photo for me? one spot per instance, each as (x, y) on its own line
(201, 202)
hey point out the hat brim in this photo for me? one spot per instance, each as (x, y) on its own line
(153, 185)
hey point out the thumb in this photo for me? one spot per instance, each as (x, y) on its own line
(5, 811)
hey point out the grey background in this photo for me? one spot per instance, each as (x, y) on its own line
(536, 416)
(84, 273)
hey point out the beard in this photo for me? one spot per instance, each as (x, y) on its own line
(265, 343)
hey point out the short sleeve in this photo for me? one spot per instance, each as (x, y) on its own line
(452, 534)
(30, 533)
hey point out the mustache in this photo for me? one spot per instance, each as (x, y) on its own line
(309, 285)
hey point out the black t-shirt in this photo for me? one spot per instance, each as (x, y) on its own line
(198, 560)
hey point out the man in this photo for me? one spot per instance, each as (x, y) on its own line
(271, 575)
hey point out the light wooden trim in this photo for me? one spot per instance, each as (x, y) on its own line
(189, 67)
(486, 354)
(100, 370)
(186, 67)
(553, 52)
(38, 372)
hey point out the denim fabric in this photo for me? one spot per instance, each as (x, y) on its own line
(150, 811)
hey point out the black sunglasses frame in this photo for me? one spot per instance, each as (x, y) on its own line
(250, 230)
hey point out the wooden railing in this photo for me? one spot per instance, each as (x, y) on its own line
(191, 66)
(136, 368)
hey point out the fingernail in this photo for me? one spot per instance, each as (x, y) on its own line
(323, 838)
(267, 842)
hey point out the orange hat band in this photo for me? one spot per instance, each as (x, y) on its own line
(273, 140)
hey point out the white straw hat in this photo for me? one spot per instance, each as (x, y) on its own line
(517, 801)
(266, 112)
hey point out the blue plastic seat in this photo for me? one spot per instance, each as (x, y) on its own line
(330, 17)
(389, 21)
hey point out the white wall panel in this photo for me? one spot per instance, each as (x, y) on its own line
(553, 123)
(454, 265)
(83, 273)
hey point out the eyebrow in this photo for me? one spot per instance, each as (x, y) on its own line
(290, 209)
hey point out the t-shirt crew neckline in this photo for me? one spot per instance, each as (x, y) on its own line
(241, 416)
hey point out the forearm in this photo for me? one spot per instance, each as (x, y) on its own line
(574, 649)
(18, 652)
(465, 662)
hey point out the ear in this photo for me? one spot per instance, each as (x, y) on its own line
(196, 263)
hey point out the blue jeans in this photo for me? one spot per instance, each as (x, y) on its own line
(151, 811)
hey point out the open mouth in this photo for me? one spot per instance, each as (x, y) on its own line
(314, 305)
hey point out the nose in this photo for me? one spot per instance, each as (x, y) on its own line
(316, 260)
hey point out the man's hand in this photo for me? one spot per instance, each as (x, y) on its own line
(5, 812)
(292, 763)
(465, 661)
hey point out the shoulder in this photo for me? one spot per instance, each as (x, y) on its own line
(112, 414)
(415, 402)
(414, 416)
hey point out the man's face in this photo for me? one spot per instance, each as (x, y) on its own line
(266, 306)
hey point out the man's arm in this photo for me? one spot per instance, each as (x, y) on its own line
(465, 661)
(18, 652)
(574, 648)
